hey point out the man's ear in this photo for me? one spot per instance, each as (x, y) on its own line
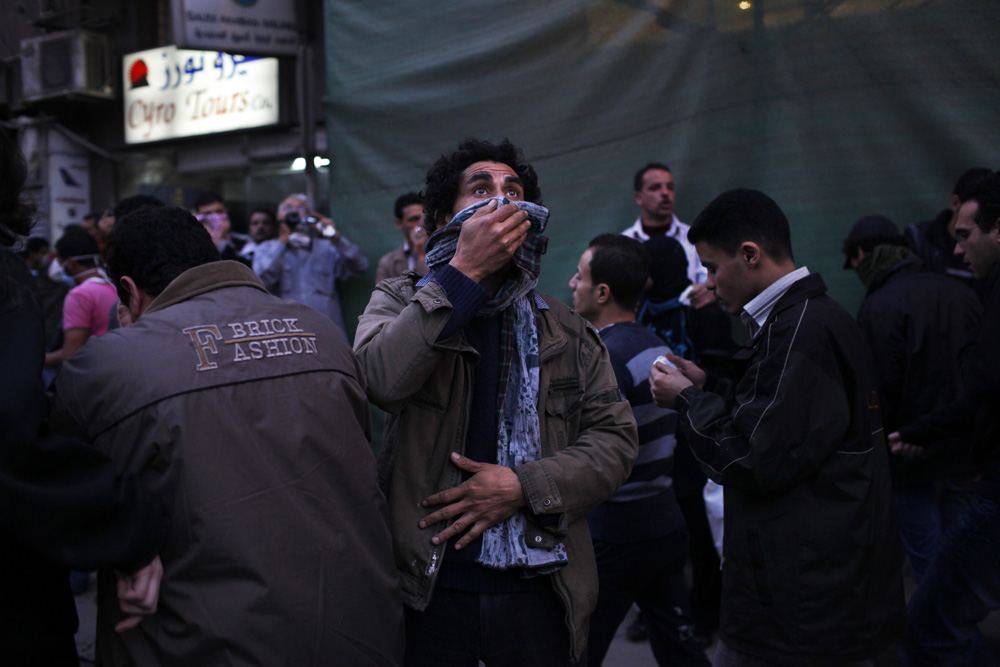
(638, 198)
(138, 300)
(955, 203)
(750, 253)
(603, 293)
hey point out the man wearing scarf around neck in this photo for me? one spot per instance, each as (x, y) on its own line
(506, 426)
(915, 322)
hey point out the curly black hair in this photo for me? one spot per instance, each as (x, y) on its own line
(152, 245)
(16, 212)
(443, 178)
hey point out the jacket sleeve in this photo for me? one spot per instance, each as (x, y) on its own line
(351, 263)
(583, 474)
(268, 263)
(980, 360)
(788, 414)
(885, 330)
(396, 341)
(60, 495)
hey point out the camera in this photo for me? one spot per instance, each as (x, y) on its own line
(304, 229)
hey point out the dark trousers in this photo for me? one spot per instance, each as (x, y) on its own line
(458, 629)
(706, 575)
(959, 589)
(728, 657)
(651, 574)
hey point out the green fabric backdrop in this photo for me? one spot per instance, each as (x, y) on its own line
(835, 109)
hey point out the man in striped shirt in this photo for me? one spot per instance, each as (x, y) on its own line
(640, 539)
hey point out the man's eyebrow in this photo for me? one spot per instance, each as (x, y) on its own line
(512, 179)
(480, 176)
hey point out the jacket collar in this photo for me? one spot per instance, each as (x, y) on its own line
(758, 310)
(809, 287)
(902, 268)
(205, 278)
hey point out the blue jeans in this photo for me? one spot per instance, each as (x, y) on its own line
(919, 516)
(959, 589)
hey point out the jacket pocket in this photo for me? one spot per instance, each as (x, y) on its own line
(564, 398)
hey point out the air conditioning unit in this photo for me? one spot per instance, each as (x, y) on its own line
(70, 63)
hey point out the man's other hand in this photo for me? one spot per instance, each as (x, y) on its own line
(490, 496)
(489, 239)
(900, 448)
(138, 594)
(666, 382)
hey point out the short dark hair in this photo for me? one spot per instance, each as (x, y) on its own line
(77, 242)
(968, 181)
(206, 198)
(621, 263)
(987, 196)
(641, 174)
(154, 244)
(741, 215)
(443, 185)
(266, 210)
(402, 201)
(129, 204)
(668, 267)
(16, 212)
(36, 243)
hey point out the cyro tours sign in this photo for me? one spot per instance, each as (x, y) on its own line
(171, 92)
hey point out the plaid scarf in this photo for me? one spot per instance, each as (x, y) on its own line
(519, 430)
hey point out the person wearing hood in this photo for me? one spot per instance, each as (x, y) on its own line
(915, 321)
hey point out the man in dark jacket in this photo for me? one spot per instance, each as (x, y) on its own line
(811, 572)
(246, 415)
(61, 503)
(915, 322)
(934, 240)
(962, 584)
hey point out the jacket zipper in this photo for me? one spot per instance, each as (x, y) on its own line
(437, 553)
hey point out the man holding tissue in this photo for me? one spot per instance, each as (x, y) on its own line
(811, 571)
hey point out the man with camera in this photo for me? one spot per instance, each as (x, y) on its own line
(308, 259)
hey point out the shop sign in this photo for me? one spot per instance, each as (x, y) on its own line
(265, 27)
(171, 92)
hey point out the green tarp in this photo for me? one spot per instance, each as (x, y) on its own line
(835, 109)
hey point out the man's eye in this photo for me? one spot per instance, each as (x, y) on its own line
(479, 190)
(514, 193)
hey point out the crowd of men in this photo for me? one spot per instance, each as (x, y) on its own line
(208, 444)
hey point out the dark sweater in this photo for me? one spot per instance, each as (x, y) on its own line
(459, 569)
(645, 506)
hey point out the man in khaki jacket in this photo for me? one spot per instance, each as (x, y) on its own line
(246, 416)
(506, 426)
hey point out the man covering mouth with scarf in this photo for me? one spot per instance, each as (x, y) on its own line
(505, 426)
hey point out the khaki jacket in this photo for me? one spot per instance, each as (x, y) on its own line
(589, 439)
(246, 415)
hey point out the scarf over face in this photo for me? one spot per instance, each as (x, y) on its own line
(519, 430)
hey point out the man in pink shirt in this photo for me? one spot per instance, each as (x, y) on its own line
(85, 311)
